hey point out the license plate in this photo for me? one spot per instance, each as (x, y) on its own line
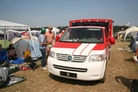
(74, 75)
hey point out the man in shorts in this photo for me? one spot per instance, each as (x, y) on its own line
(50, 39)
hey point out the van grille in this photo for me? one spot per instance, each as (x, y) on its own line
(77, 58)
(70, 68)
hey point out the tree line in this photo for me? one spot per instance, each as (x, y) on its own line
(115, 28)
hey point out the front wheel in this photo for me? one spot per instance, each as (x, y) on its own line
(102, 80)
(104, 77)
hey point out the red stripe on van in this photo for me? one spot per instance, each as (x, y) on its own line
(99, 47)
(66, 45)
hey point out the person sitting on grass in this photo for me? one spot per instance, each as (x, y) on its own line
(11, 52)
(3, 57)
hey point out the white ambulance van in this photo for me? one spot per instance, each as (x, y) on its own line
(83, 50)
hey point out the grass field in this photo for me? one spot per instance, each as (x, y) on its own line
(7, 43)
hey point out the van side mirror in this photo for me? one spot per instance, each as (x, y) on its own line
(57, 38)
(112, 40)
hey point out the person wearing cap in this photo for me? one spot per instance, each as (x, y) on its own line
(42, 47)
(50, 38)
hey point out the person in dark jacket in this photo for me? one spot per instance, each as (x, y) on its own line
(42, 47)
(11, 52)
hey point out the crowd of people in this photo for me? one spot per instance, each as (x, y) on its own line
(46, 40)
(133, 44)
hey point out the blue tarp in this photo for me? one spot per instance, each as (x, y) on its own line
(17, 61)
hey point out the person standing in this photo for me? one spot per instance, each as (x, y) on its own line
(50, 38)
(42, 47)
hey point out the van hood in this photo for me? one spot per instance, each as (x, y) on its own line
(78, 48)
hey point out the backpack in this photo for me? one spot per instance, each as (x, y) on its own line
(27, 55)
(3, 75)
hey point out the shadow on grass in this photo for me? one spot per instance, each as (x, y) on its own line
(74, 82)
(125, 81)
(129, 59)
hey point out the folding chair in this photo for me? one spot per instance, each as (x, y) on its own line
(27, 58)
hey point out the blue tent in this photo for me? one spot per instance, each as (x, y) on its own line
(23, 44)
(3, 56)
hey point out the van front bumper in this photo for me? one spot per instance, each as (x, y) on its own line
(79, 71)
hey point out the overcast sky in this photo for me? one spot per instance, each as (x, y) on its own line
(58, 12)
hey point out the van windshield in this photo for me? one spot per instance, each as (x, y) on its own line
(83, 35)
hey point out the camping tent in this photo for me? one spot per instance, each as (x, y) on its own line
(1, 32)
(129, 30)
(121, 32)
(13, 33)
(22, 44)
(35, 32)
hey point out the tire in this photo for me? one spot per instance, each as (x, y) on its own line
(103, 79)
(109, 55)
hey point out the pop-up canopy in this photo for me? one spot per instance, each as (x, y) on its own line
(6, 25)
(131, 29)
(11, 25)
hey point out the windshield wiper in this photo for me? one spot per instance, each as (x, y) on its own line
(75, 40)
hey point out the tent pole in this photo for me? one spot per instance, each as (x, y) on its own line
(5, 38)
(32, 40)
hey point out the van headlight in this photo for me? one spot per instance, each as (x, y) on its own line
(52, 54)
(96, 58)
